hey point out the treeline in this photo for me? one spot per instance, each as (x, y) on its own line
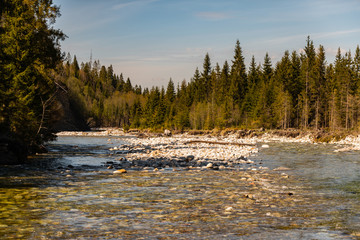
(300, 91)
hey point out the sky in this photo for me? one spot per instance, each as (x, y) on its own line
(151, 41)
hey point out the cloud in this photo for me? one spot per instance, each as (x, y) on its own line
(334, 34)
(132, 3)
(214, 16)
(313, 36)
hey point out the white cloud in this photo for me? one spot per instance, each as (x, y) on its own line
(313, 36)
(334, 34)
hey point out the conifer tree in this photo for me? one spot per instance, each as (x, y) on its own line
(170, 91)
(238, 76)
(206, 77)
(29, 50)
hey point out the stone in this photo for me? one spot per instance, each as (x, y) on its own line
(167, 133)
(190, 157)
(265, 146)
(209, 165)
(229, 209)
(250, 196)
(121, 171)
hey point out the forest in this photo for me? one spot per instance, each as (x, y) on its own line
(29, 53)
(300, 91)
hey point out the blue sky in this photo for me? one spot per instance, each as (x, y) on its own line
(153, 40)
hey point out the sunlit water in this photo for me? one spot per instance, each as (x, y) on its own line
(69, 194)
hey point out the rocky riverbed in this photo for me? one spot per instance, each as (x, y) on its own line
(170, 187)
(184, 152)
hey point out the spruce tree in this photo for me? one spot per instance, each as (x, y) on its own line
(238, 76)
(30, 49)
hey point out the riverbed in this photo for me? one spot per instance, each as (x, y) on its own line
(281, 191)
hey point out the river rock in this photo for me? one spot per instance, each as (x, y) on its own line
(121, 171)
(167, 133)
(209, 165)
(190, 157)
(229, 209)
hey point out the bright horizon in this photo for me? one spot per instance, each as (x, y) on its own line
(151, 41)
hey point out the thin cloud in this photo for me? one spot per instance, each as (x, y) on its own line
(132, 3)
(334, 34)
(313, 36)
(214, 16)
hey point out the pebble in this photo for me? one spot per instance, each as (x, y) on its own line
(120, 171)
(265, 146)
(229, 209)
(209, 165)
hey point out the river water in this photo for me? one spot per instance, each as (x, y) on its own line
(70, 194)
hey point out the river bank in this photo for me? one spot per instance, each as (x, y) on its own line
(229, 149)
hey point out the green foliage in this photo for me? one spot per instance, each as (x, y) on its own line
(299, 91)
(29, 51)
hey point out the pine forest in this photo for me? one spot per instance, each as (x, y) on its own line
(300, 91)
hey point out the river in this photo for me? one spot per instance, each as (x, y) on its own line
(68, 193)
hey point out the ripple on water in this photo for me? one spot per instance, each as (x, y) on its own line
(173, 205)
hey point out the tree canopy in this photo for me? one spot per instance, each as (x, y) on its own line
(299, 91)
(29, 52)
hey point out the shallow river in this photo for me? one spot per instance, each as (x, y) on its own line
(70, 194)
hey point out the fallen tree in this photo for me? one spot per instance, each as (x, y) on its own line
(219, 143)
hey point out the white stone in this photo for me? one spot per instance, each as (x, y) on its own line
(229, 209)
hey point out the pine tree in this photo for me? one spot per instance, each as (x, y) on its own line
(74, 69)
(308, 60)
(317, 89)
(29, 50)
(267, 69)
(238, 76)
(128, 86)
(170, 91)
(206, 77)
(224, 84)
